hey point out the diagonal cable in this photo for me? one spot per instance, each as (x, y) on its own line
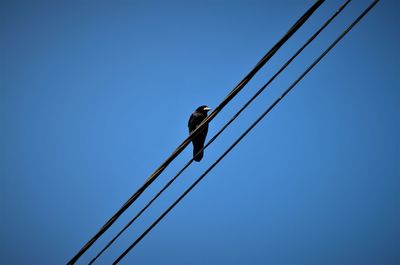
(221, 130)
(182, 146)
(245, 133)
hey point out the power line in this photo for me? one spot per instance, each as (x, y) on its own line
(246, 132)
(181, 147)
(327, 22)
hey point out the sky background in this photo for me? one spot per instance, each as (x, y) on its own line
(95, 95)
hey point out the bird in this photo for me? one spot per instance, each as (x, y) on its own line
(198, 141)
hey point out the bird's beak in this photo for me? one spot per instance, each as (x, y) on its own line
(207, 109)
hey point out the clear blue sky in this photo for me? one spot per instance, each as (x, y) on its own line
(96, 94)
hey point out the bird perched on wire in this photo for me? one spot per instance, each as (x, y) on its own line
(198, 141)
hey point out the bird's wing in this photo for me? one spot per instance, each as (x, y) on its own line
(192, 124)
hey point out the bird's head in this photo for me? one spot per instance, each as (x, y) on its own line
(203, 109)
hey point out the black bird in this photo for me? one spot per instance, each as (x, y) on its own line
(198, 141)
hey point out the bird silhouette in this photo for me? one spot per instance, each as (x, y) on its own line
(198, 141)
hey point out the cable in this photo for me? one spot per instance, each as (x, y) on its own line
(181, 147)
(245, 133)
(221, 130)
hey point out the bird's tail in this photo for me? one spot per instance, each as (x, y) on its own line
(199, 156)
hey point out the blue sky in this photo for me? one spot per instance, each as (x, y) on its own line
(96, 94)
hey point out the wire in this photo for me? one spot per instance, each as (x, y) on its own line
(222, 129)
(212, 115)
(245, 133)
